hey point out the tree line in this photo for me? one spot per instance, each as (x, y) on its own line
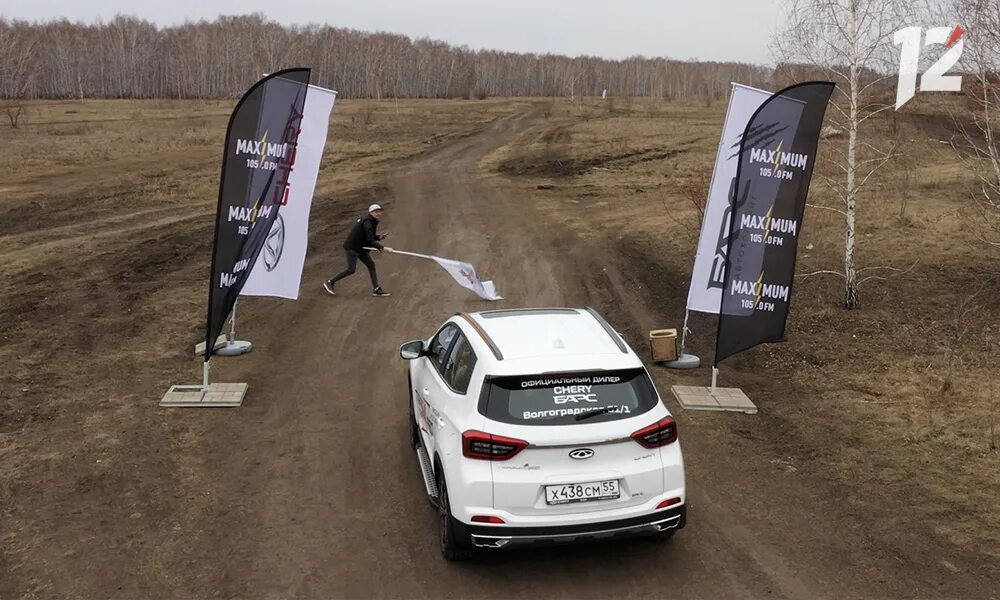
(132, 58)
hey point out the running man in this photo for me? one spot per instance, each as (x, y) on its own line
(363, 234)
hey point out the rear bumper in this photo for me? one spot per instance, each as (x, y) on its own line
(499, 536)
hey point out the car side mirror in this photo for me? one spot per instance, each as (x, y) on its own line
(412, 350)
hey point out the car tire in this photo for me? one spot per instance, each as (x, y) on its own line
(453, 536)
(414, 430)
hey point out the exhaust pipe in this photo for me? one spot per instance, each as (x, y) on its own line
(668, 524)
(489, 542)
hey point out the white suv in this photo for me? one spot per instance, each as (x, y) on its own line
(540, 425)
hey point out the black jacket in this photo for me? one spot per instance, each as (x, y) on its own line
(364, 233)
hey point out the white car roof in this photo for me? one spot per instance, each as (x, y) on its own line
(539, 340)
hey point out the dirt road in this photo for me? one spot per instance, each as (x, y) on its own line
(315, 492)
(310, 489)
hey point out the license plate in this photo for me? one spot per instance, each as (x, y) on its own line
(582, 492)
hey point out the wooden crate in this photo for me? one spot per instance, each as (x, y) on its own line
(663, 344)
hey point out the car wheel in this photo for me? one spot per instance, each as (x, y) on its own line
(453, 536)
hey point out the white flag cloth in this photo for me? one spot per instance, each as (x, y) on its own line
(705, 293)
(462, 272)
(465, 274)
(278, 270)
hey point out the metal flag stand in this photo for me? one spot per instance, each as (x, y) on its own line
(205, 395)
(212, 394)
(713, 397)
(234, 347)
(684, 361)
(706, 398)
(226, 345)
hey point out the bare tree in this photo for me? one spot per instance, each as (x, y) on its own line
(849, 41)
(978, 141)
(14, 111)
(17, 51)
(131, 58)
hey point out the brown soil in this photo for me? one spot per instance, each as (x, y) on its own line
(309, 489)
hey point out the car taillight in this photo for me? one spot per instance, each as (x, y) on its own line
(486, 446)
(488, 519)
(658, 434)
(668, 502)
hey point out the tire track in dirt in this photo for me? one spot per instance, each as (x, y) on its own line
(27, 250)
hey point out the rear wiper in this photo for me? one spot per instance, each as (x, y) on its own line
(594, 413)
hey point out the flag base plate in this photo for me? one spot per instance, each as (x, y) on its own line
(684, 361)
(215, 395)
(199, 348)
(707, 398)
(234, 348)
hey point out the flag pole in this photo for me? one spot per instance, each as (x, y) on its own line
(233, 346)
(684, 330)
(403, 252)
(232, 321)
(684, 361)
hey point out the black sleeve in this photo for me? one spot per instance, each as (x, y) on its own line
(370, 238)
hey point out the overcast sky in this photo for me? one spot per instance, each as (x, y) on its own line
(736, 30)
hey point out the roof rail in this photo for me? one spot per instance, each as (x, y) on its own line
(503, 312)
(482, 333)
(611, 332)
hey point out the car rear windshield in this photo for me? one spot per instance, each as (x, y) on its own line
(567, 398)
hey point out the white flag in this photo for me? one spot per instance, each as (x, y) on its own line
(705, 293)
(465, 274)
(462, 272)
(278, 270)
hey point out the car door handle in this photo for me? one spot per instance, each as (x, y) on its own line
(440, 422)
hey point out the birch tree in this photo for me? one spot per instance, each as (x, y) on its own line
(16, 54)
(978, 140)
(851, 42)
(132, 58)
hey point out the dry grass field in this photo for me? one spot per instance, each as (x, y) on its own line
(889, 413)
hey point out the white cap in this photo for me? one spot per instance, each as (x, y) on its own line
(374, 207)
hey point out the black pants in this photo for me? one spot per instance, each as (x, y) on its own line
(353, 257)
